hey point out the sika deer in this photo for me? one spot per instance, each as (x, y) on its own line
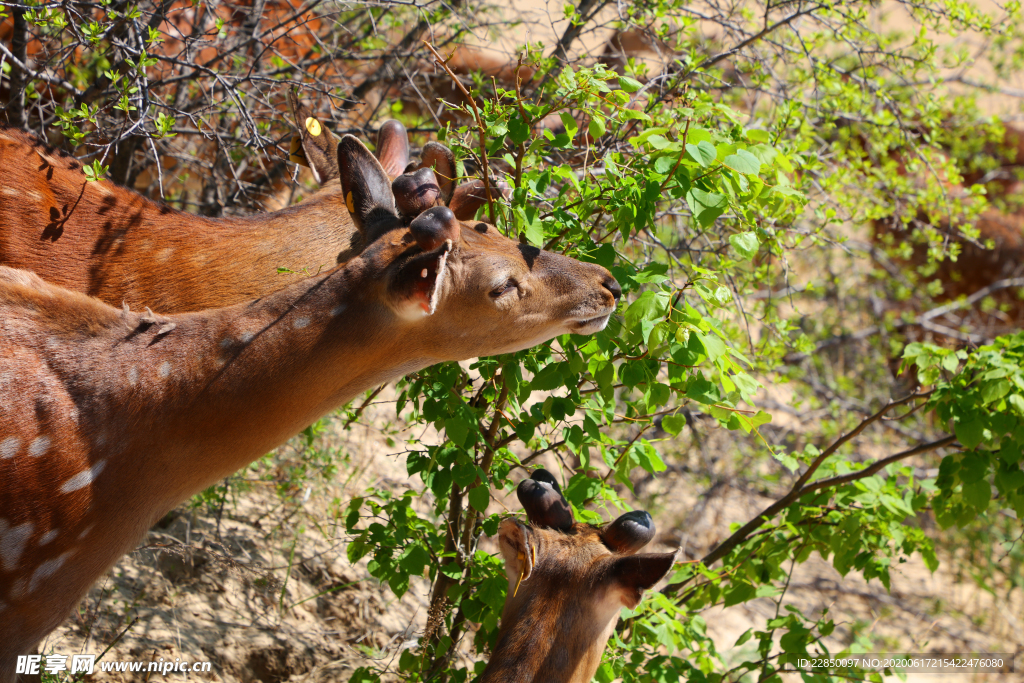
(111, 243)
(109, 418)
(566, 585)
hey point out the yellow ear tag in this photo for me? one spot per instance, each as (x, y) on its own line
(296, 154)
(521, 558)
(313, 126)
(350, 203)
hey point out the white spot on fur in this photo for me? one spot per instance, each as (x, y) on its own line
(40, 445)
(9, 447)
(46, 570)
(49, 536)
(164, 255)
(133, 376)
(10, 192)
(225, 343)
(85, 532)
(83, 478)
(301, 322)
(423, 273)
(247, 337)
(34, 196)
(338, 310)
(165, 369)
(12, 544)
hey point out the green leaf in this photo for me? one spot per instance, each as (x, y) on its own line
(479, 497)
(650, 305)
(596, 126)
(629, 84)
(581, 488)
(993, 391)
(414, 560)
(571, 127)
(706, 206)
(978, 494)
(673, 424)
(518, 130)
(649, 458)
(702, 391)
(1009, 480)
(713, 346)
(605, 673)
(745, 244)
(533, 227)
(1017, 403)
(756, 135)
(743, 162)
(970, 431)
(746, 385)
(704, 153)
(737, 593)
(457, 429)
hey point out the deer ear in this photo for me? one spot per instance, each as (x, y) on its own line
(393, 147)
(366, 188)
(419, 284)
(469, 197)
(519, 549)
(315, 145)
(440, 158)
(628, 577)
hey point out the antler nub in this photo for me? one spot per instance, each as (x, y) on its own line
(630, 532)
(543, 501)
(416, 192)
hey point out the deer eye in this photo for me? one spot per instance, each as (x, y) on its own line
(509, 286)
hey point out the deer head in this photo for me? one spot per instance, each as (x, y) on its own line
(567, 583)
(110, 418)
(111, 243)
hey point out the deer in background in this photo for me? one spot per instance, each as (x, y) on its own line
(112, 243)
(110, 418)
(567, 583)
(978, 270)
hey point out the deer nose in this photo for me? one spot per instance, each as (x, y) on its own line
(612, 285)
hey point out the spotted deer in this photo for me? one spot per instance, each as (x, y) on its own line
(112, 243)
(111, 417)
(567, 583)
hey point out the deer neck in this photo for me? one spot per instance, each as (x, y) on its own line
(548, 640)
(227, 386)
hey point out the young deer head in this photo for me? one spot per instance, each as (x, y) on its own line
(567, 583)
(110, 418)
(111, 243)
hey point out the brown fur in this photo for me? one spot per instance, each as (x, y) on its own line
(571, 587)
(110, 418)
(112, 243)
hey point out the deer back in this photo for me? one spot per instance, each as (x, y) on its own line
(112, 243)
